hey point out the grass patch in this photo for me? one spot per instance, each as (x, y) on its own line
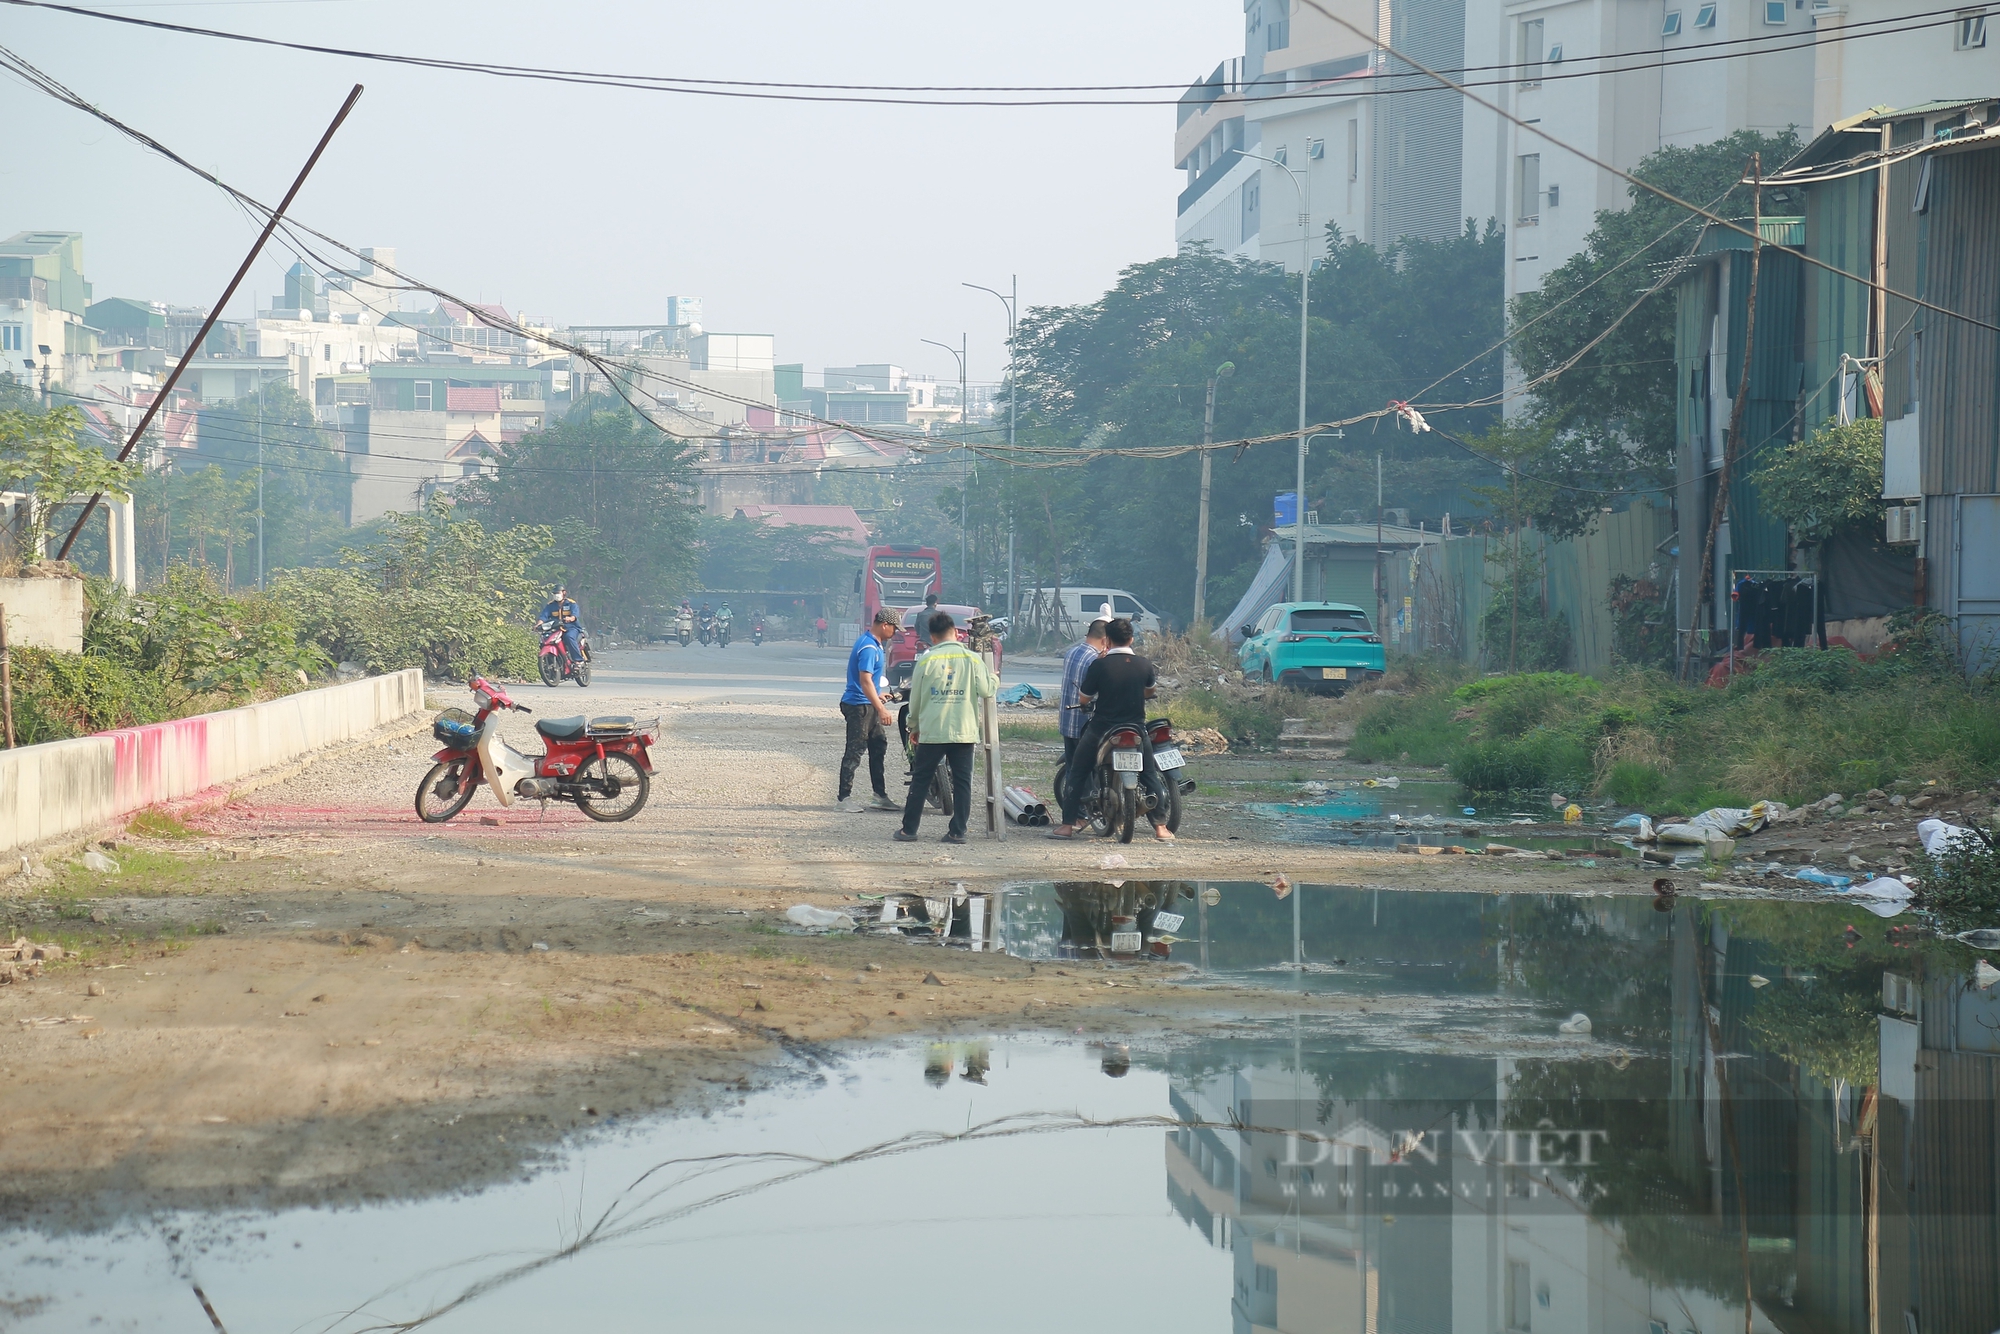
(1805, 723)
(158, 824)
(1047, 732)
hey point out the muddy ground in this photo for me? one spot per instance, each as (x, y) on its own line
(303, 994)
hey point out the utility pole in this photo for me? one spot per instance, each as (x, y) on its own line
(1305, 294)
(1222, 372)
(1381, 593)
(260, 488)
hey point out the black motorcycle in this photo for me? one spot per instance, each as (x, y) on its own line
(1135, 772)
(940, 794)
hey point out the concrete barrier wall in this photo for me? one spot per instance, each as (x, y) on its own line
(70, 787)
(44, 613)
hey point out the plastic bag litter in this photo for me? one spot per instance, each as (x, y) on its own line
(1939, 838)
(1574, 1026)
(1758, 981)
(1382, 782)
(1017, 693)
(804, 914)
(1812, 875)
(1572, 814)
(1984, 938)
(1636, 821)
(1112, 861)
(1886, 888)
(97, 861)
(1736, 822)
(1984, 975)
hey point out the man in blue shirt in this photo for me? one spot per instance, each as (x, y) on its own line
(1075, 663)
(867, 714)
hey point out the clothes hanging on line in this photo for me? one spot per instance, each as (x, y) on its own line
(1774, 611)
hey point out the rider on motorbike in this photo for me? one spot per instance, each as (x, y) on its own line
(564, 612)
(684, 618)
(723, 617)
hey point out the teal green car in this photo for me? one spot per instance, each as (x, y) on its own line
(1323, 647)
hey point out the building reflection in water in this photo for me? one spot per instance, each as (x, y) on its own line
(1768, 1102)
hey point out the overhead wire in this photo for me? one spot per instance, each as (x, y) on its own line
(912, 94)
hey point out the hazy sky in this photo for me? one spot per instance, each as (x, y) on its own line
(844, 230)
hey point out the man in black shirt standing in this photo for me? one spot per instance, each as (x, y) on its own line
(1116, 688)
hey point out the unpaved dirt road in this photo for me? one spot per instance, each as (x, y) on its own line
(314, 996)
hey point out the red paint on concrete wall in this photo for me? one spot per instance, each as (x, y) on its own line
(159, 762)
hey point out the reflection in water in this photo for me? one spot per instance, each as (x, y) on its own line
(1775, 1121)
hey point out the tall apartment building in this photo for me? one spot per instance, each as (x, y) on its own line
(1378, 150)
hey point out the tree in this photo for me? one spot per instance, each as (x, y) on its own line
(1611, 415)
(618, 497)
(40, 452)
(1131, 369)
(1827, 482)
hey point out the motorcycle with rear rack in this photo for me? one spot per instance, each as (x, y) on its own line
(603, 764)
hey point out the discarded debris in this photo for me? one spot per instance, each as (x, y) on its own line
(933, 980)
(94, 860)
(1759, 981)
(805, 914)
(1985, 938)
(1575, 1025)
(1281, 887)
(1984, 975)
(1112, 861)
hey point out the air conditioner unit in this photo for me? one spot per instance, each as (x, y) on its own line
(1903, 526)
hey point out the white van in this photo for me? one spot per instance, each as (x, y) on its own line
(1084, 604)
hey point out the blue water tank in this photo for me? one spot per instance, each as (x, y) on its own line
(1285, 509)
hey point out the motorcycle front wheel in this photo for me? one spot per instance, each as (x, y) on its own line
(551, 673)
(444, 791)
(941, 789)
(613, 788)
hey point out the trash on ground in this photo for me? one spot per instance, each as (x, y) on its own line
(1812, 875)
(1984, 975)
(1886, 888)
(1939, 838)
(1759, 981)
(1112, 861)
(1984, 938)
(1572, 814)
(1575, 1025)
(96, 861)
(1019, 693)
(805, 914)
(1382, 782)
(1281, 887)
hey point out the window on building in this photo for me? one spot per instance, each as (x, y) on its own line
(10, 337)
(1282, 154)
(1520, 1311)
(1353, 150)
(1528, 189)
(423, 390)
(1970, 34)
(1555, 53)
(1278, 35)
(1672, 26)
(1531, 52)
(1774, 13)
(1705, 17)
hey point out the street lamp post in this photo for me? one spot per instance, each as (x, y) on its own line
(964, 464)
(1305, 291)
(1222, 372)
(1012, 303)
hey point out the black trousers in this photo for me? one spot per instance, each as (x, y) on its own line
(1076, 778)
(959, 755)
(864, 734)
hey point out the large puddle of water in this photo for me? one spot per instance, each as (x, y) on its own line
(1769, 1113)
(1374, 814)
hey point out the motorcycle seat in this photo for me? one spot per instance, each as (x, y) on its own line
(560, 729)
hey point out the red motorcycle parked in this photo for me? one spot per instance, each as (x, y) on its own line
(556, 663)
(602, 764)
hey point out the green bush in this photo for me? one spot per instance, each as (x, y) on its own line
(1542, 758)
(1420, 726)
(1963, 883)
(1634, 783)
(435, 591)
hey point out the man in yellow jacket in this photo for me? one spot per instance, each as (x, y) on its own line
(945, 690)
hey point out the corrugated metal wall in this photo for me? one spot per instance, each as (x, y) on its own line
(1756, 540)
(1959, 370)
(1840, 224)
(1450, 585)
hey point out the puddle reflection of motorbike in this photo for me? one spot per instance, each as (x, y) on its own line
(1135, 920)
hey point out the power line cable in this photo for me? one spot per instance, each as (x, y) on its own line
(910, 94)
